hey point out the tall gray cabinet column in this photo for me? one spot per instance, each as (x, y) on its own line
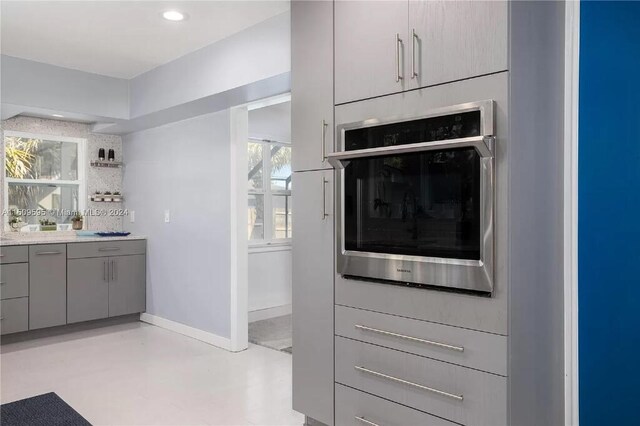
(312, 127)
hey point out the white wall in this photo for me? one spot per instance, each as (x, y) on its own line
(272, 122)
(184, 167)
(34, 84)
(269, 279)
(255, 54)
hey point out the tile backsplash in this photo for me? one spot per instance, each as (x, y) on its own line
(98, 178)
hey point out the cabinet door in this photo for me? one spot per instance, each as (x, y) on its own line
(454, 40)
(87, 289)
(47, 285)
(369, 59)
(127, 285)
(311, 83)
(313, 273)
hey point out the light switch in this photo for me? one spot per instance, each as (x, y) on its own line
(167, 216)
(132, 216)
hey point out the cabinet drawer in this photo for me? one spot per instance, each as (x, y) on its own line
(14, 281)
(107, 248)
(355, 408)
(482, 351)
(14, 315)
(456, 393)
(14, 254)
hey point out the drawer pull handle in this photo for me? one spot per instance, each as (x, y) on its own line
(109, 249)
(366, 422)
(41, 253)
(413, 339)
(1, 255)
(405, 382)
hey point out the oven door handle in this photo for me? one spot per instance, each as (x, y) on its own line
(482, 144)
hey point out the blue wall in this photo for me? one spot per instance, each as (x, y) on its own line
(609, 213)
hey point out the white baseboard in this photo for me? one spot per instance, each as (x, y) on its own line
(204, 336)
(276, 311)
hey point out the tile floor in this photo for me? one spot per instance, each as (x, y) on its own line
(138, 374)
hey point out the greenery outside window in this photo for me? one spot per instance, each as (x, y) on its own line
(269, 168)
(44, 177)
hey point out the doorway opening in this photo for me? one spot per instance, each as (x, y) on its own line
(269, 220)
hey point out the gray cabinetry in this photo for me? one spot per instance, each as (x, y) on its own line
(47, 285)
(127, 285)
(312, 83)
(313, 248)
(14, 281)
(14, 315)
(355, 408)
(370, 49)
(14, 254)
(455, 393)
(87, 289)
(106, 279)
(454, 40)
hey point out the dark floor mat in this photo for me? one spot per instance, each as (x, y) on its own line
(42, 410)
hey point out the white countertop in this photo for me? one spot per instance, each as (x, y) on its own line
(58, 237)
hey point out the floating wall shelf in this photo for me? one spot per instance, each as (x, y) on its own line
(98, 163)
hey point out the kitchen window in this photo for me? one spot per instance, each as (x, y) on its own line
(44, 177)
(269, 168)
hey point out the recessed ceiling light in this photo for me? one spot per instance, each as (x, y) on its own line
(57, 115)
(173, 15)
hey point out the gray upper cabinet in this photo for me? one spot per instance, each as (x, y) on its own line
(127, 285)
(47, 285)
(311, 83)
(454, 40)
(87, 289)
(313, 248)
(370, 49)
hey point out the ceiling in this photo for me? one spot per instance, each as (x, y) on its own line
(121, 38)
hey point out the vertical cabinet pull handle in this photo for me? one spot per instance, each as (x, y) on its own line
(111, 273)
(115, 270)
(104, 270)
(323, 139)
(414, 38)
(324, 198)
(398, 45)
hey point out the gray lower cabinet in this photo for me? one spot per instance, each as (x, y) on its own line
(127, 285)
(47, 285)
(14, 315)
(313, 247)
(14, 281)
(101, 287)
(459, 394)
(355, 408)
(87, 289)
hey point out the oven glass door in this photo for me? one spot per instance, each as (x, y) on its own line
(419, 204)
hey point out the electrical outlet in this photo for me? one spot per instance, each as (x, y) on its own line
(132, 216)
(167, 216)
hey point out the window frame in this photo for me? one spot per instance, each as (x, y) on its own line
(82, 169)
(268, 193)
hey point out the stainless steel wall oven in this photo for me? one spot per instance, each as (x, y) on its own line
(415, 198)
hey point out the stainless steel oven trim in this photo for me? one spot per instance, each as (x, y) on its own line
(464, 274)
(486, 109)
